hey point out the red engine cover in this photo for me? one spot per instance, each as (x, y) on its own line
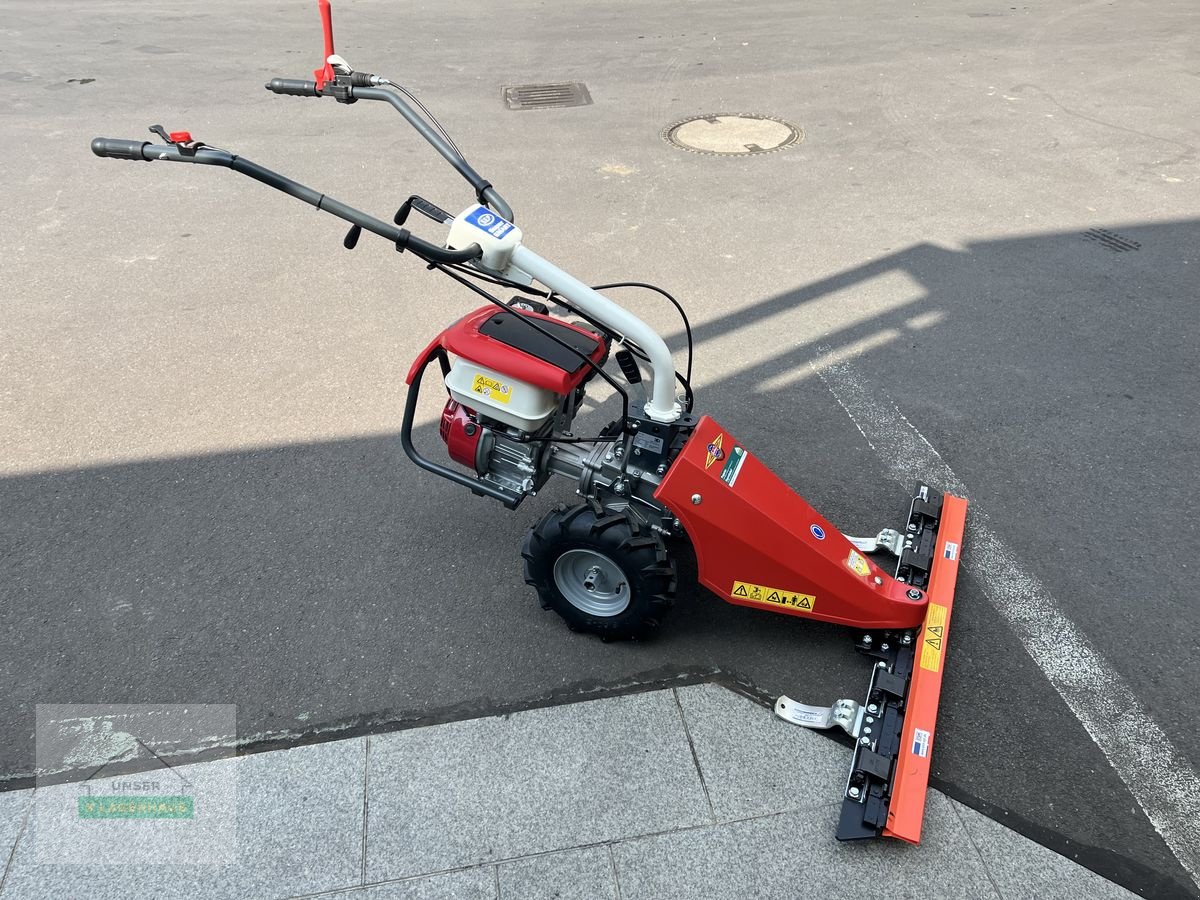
(464, 339)
(461, 434)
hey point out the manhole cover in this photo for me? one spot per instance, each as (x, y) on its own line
(546, 96)
(732, 134)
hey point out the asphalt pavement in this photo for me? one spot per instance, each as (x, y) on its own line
(993, 215)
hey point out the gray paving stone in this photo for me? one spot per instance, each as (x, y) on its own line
(584, 874)
(481, 791)
(467, 884)
(1025, 870)
(753, 762)
(299, 830)
(794, 854)
(13, 807)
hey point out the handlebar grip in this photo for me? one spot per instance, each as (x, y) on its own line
(116, 148)
(294, 86)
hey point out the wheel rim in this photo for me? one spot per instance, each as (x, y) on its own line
(592, 583)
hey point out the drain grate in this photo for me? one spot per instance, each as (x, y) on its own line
(1110, 240)
(546, 96)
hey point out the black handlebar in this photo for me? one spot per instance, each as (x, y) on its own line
(295, 86)
(361, 86)
(116, 148)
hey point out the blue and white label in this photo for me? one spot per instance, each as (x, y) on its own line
(920, 743)
(486, 220)
(817, 531)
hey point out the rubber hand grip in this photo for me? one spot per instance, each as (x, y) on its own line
(116, 148)
(295, 86)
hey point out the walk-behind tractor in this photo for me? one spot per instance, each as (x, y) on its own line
(516, 375)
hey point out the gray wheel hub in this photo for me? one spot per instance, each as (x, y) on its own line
(592, 583)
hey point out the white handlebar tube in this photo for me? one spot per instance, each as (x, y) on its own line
(662, 406)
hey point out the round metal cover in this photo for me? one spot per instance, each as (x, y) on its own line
(732, 134)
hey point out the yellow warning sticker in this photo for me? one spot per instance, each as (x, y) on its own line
(858, 564)
(744, 590)
(933, 638)
(491, 388)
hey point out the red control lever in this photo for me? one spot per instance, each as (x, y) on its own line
(325, 73)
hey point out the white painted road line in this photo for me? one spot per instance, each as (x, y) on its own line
(1159, 777)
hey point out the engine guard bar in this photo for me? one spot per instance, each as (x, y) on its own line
(211, 156)
(475, 485)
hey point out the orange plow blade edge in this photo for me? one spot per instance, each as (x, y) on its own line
(894, 727)
(910, 779)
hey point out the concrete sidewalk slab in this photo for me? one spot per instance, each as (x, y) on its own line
(793, 854)
(467, 884)
(726, 728)
(14, 807)
(585, 874)
(1024, 870)
(299, 829)
(489, 789)
(595, 800)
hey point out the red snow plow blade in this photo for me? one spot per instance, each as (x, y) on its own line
(911, 777)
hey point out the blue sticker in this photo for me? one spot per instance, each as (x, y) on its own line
(486, 220)
(817, 531)
(920, 745)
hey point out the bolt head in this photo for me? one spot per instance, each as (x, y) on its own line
(867, 640)
(885, 646)
(866, 731)
(913, 594)
(870, 720)
(854, 793)
(907, 639)
(873, 707)
(865, 741)
(696, 498)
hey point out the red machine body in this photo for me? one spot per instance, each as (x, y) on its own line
(759, 544)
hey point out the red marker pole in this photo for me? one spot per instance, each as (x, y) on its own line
(325, 73)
